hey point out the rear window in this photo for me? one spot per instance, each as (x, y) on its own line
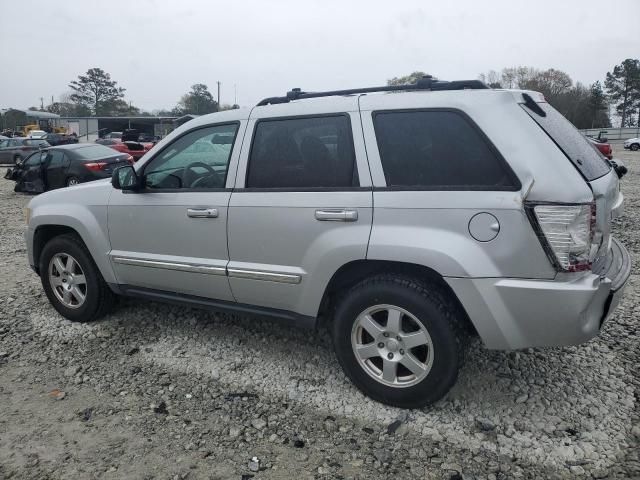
(589, 161)
(94, 151)
(35, 143)
(438, 150)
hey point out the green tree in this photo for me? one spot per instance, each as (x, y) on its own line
(198, 101)
(623, 86)
(598, 106)
(68, 109)
(96, 91)
(411, 78)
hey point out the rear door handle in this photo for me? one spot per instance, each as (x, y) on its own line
(202, 212)
(337, 215)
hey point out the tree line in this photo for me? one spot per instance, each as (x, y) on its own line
(586, 106)
(96, 94)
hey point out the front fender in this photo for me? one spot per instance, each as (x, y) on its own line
(82, 208)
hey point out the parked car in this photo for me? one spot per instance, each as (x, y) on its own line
(632, 144)
(114, 135)
(64, 166)
(406, 221)
(14, 150)
(603, 147)
(55, 139)
(135, 149)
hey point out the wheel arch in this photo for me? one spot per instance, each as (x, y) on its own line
(355, 271)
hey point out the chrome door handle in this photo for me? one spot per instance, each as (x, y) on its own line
(337, 215)
(202, 212)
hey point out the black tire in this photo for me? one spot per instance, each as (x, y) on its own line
(99, 297)
(432, 307)
(635, 147)
(72, 181)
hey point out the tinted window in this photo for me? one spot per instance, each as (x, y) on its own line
(195, 160)
(56, 158)
(438, 150)
(36, 143)
(587, 160)
(93, 151)
(35, 159)
(302, 153)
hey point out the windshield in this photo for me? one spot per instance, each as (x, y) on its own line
(586, 158)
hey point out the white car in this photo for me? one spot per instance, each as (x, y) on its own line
(632, 144)
(37, 133)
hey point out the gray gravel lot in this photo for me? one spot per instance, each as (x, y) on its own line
(157, 391)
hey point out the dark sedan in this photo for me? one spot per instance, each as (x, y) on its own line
(66, 165)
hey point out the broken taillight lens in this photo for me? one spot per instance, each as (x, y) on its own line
(568, 233)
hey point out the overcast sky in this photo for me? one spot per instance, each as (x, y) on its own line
(157, 49)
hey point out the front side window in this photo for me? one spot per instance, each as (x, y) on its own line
(302, 153)
(197, 160)
(438, 150)
(35, 159)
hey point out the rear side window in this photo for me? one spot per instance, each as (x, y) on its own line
(302, 153)
(587, 160)
(438, 150)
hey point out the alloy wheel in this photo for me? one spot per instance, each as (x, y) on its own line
(392, 345)
(67, 280)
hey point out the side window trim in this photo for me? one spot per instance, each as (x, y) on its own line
(516, 184)
(237, 123)
(259, 120)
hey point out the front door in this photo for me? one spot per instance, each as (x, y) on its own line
(302, 206)
(172, 235)
(55, 169)
(31, 178)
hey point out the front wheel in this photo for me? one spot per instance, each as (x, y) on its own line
(399, 340)
(72, 281)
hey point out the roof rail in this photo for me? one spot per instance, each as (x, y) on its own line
(425, 83)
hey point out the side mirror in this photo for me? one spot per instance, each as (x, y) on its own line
(619, 167)
(125, 178)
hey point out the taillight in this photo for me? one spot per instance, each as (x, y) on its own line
(95, 165)
(567, 233)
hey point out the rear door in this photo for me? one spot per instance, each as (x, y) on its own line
(302, 206)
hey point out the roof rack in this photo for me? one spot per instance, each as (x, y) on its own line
(425, 83)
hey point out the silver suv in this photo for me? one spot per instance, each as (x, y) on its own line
(406, 217)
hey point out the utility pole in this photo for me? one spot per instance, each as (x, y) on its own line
(235, 94)
(41, 103)
(218, 82)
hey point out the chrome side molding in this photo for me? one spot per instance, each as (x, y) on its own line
(265, 276)
(181, 267)
(209, 270)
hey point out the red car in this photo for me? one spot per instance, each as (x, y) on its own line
(135, 149)
(604, 147)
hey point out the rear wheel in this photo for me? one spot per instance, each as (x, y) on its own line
(635, 147)
(72, 181)
(71, 280)
(399, 340)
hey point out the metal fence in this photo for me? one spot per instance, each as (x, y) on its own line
(613, 133)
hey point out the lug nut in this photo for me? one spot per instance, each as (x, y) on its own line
(398, 338)
(380, 345)
(390, 356)
(401, 352)
(386, 334)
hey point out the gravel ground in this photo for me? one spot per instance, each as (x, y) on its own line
(156, 391)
